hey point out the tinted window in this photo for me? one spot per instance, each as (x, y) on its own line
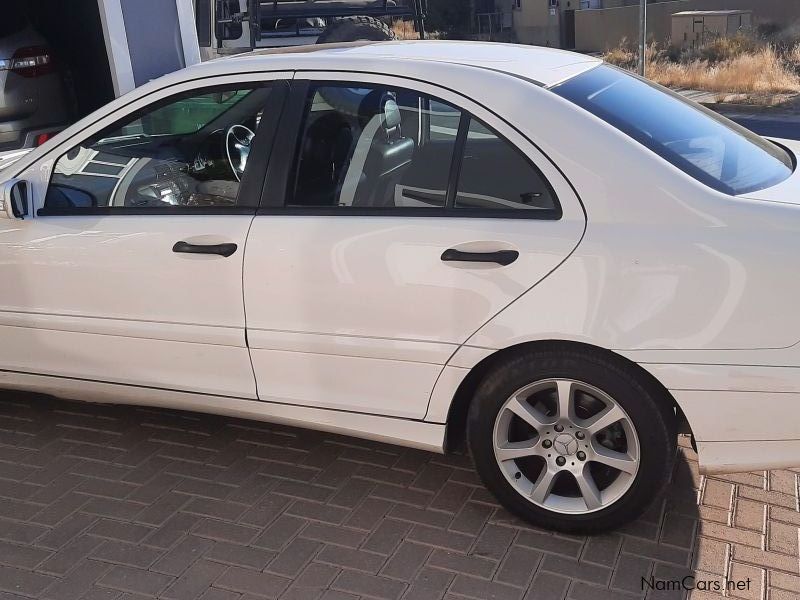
(187, 115)
(445, 121)
(375, 147)
(189, 151)
(708, 147)
(495, 175)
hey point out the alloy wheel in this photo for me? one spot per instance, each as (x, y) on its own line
(566, 446)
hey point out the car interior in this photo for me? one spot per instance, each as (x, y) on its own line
(186, 152)
(381, 148)
(361, 145)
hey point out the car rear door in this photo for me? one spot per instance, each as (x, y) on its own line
(131, 270)
(407, 217)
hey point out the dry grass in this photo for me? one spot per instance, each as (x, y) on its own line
(623, 55)
(761, 72)
(404, 30)
(727, 48)
(741, 64)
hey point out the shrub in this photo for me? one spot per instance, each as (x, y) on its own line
(404, 30)
(740, 64)
(793, 58)
(768, 29)
(450, 17)
(725, 48)
(624, 55)
(761, 72)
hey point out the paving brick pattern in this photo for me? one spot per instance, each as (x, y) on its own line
(113, 503)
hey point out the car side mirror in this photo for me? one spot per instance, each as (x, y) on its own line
(223, 97)
(15, 198)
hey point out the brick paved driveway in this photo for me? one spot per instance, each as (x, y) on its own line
(112, 502)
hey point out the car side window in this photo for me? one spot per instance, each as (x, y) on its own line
(190, 151)
(496, 175)
(374, 147)
(381, 147)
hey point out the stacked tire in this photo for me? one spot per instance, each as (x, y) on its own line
(356, 29)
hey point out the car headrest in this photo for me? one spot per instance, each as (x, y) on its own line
(391, 115)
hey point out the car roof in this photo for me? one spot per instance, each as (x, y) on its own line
(543, 66)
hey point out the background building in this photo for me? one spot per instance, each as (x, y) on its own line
(596, 25)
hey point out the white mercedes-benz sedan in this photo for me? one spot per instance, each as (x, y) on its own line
(417, 243)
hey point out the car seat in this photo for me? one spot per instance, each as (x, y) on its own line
(389, 155)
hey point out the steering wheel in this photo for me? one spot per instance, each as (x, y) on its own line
(237, 145)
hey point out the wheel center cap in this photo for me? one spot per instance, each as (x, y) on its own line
(565, 444)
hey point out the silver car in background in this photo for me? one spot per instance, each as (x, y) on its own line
(33, 102)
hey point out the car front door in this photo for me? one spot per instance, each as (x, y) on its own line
(411, 216)
(130, 271)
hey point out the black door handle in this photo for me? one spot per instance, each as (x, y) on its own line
(225, 250)
(501, 257)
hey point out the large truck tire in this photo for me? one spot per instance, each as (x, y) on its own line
(356, 29)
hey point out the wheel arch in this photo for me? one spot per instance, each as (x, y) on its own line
(459, 406)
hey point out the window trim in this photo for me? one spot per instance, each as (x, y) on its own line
(110, 211)
(410, 211)
(458, 159)
(282, 170)
(250, 185)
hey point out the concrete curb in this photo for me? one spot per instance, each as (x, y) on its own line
(766, 112)
(789, 109)
(787, 118)
(752, 109)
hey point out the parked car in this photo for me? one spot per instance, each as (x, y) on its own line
(33, 103)
(416, 241)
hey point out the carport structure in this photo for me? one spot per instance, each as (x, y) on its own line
(109, 47)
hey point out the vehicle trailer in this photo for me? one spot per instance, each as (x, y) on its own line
(234, 26)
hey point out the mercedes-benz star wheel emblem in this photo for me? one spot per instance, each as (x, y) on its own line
(565, 444)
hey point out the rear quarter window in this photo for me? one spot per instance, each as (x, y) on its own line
(496, 175)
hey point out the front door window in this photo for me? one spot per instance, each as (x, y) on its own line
(188, 151)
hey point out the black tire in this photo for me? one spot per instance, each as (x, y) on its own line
(651, 414)
(355, 29)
